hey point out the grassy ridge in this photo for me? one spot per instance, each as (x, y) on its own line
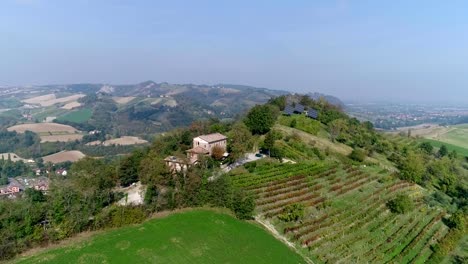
(197, 236)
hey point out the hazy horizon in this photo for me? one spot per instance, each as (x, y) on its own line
(396, 51)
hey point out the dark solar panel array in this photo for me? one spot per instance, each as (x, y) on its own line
(299, 109)
(288, 110)
(312, 113)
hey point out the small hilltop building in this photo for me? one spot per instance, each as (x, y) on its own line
(201, 146)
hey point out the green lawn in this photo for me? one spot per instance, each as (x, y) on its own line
(197, 236)
(302, 123)
(78, 116)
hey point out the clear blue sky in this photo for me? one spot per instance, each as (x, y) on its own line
(369, 50)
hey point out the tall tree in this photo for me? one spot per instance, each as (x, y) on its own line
(412, 168)
(443, 151)
(240, 140)
(261, 118)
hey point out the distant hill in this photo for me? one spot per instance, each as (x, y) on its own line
(147, 107)
(330, 98)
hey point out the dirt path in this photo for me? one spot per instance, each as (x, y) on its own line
(266, 224)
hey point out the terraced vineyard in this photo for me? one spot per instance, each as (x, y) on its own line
(346, 217)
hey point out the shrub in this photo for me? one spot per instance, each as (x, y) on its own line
(243, 206)
(293, 123)
(358, 155)
(292, 212)
(457, 220)
(401, 204)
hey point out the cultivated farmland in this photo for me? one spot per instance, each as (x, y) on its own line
(60, 138)
(43, 128)
(346, 219)
(191, 237)
(73, 155)
(50, 132)
(51, 99)
(122, 141)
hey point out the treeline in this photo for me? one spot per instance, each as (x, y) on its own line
(441, 170)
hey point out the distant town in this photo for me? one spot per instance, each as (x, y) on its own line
(390, 116)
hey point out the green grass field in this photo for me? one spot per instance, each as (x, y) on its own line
(454, 138)
(198, 236)
(302, 123)
(78, 116)
(437, 144)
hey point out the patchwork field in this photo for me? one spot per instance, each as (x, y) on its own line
(346, 219)
(191, 237)
(50, 132)
(51, 99)
(73, 155)
(123, 141)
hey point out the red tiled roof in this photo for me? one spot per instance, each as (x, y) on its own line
(198, 150)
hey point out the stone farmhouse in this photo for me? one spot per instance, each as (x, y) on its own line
(201, 146)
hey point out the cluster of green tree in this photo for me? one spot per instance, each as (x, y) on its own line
(71, 206)
(458, 224)
(442, 170)
(85, 199)
(97, 136)
(10, 102)
(10, 169)
(11, 140)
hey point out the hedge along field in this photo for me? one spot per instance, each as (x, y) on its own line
(198, 236)
(78, 116)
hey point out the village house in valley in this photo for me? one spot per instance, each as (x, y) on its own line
(19, 184)
(201, 146)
